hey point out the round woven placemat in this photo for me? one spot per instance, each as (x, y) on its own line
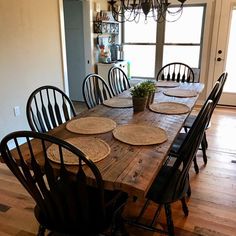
(181, 93)
(95, 149)
(167, 84)
(91, 125)
(136, 134)
(119, 102)
(169, 108)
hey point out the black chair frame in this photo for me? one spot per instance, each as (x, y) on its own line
(117, 80)
(172, 181)
(177, 72)
(95, 90)
(215, 97)
(47, 108)
(66, 204)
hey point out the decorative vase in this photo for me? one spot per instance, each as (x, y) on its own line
(139, 103)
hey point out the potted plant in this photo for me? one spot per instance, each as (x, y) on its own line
(151, 88)
(139, 95)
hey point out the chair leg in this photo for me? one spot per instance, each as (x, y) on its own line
(118, 226)
(204, 152)
(189, 192)
(157, 213)
(195, 165)
(184, 206)
(142, 210)
(204, 148)
(205, 140)
(170, 224)
(41, 230)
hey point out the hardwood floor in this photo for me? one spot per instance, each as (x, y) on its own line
(212, 206)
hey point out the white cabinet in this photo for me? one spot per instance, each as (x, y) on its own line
(104, 68)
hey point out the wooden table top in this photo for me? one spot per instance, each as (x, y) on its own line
(133, 168)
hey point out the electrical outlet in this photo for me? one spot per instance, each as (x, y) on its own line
(17, 111)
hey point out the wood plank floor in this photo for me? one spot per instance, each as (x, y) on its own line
(212, 205)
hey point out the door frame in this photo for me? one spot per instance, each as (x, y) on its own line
(88, 41)
(215, 69)
(63, 47)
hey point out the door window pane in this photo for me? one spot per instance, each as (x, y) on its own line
(186, 54)
(230, 85)
(188, 28)
(142, 59)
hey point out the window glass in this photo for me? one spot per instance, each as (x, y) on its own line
(186, 54)
(140, 32)
(182, 42)
(142, 59)
(188, 28)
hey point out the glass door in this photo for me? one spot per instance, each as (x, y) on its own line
(226, 49)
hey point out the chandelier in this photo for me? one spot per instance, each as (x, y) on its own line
(159, 10)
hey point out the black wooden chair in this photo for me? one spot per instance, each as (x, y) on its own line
(95, 90)
(181, 136)
(177, 72)
(172, 182)
(47, 108)
(66, 204)
(117, 80)
(214, 96)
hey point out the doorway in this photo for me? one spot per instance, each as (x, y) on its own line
(75, 19)
(225, 50)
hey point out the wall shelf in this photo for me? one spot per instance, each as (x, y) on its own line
(106, 27)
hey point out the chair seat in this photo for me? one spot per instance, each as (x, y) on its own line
(161, 192)
(189, 121)
(174, 152)
(177, 144)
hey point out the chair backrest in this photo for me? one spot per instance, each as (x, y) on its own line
(216, 93)
(63, 204)
(95, 90)
(48, 107)
(117, 80)
(190, 147)
(176, 71)
(222, 79)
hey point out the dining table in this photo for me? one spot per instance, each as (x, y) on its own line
(132, 168)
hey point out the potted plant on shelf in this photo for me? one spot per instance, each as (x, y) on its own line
(139, 95)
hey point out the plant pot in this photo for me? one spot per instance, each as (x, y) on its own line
(139, 103)
(150, 99)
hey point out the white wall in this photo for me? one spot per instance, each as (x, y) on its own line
(30, 55)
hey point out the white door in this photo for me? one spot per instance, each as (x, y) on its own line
(225, 50)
